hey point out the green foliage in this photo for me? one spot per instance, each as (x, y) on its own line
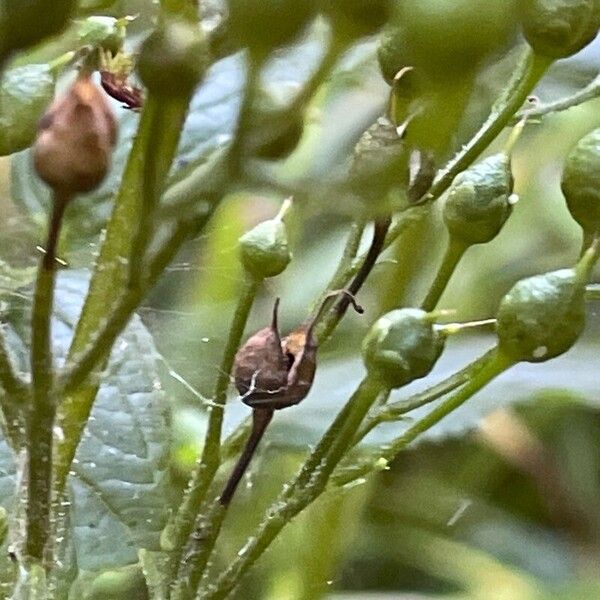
(24, 96)
(220, 142)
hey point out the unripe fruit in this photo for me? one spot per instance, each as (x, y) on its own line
(581, 182)
(262, 26)
(479, 203)
(76, 137)
(559, 28)
(173, 59)
(24, 23)
(356, 18)
(264, 250)
(541, 317)
(444, 38)
(25, 92)
(402, 346)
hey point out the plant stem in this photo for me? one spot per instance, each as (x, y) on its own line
(110, 277)
(285, 508)
(177, 532)
(161, 114)
(590, 92)
(492, 364)
(527, 74)
(529, 71)
(42, 412)
(454, 253)
(395, 410)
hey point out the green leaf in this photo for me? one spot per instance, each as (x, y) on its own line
(25, 92)
(119, 488)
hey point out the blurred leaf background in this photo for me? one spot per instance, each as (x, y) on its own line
(498, 502)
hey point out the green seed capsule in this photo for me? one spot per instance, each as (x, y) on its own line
(25, 93)
(541, 317)
(357, 18)
(264, 250)
(262, 26)
(402, 346)
(559, 28)
(445, 38)
(581, 182)
(479, 201)
(24, 23)
(173, 59)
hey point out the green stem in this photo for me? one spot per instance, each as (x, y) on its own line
(286, 508)
(244, 123)
(160, 115)
(530, 70)
(395, 410)
(454, 252)
(177, 532)
(590, 92)
(587, 240)
(42, 412)
(494, 364)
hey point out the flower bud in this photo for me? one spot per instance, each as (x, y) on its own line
(263, 26)
(25, 92)
(264, 250)
(479, 201)
(402, 346)
(581, 182)
(75, 140)
(541, 317)
(559, 28)
(173, 59)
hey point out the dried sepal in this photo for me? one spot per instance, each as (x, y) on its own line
(260, 369)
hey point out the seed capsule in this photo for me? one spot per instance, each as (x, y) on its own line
(581, 182)
(479, 201)
(264, 250)
(402, 346)
(559, 28)
(76, 137)
(262, 26)
(541, 317)
(173, 59)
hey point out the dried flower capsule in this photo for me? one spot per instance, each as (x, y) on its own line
(559, 28)
(479, 201)
(76, 137)
(264, 250)
(402, 346)
(581, 182)
(260, 368)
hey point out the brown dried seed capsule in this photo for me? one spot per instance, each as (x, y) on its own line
(260, 369)
(75, 139)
